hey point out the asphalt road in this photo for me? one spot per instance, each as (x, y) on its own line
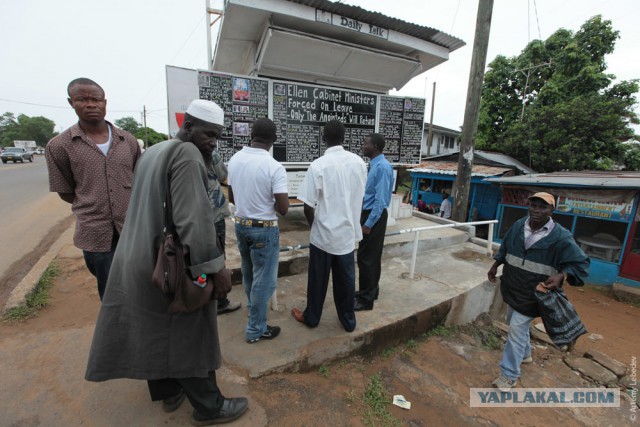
(27, 211)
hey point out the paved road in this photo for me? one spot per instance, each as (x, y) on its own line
(27, 211)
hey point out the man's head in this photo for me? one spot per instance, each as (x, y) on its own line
(373, 145)
(445, 196)
(333, 133)
(203, 124)
(87, 98)
(541, 205)
(263, 132)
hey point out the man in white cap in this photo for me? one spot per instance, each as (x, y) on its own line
(535, 250)
(135, 336)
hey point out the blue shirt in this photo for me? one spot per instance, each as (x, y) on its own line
(377, 192)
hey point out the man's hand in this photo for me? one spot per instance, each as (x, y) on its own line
(491, 274)
(221, 283)
(366, 230)
(553, 282)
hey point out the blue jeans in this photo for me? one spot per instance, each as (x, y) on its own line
(260, 251)
(518, 343)
(99, 264)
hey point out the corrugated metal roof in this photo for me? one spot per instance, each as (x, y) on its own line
(501, 159)
(604, 179)
(423, 33)
(450, 168)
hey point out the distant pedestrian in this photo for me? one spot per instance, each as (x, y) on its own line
(91, 167)
(136, 337)
(258, 187)
(535, 250)
(377, 197)
(332, 192)
(445, 207)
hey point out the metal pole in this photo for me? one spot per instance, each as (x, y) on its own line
(490, 240)
(414, 255)
(209, 52)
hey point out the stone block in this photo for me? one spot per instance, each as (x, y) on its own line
(618, 368)
(591, 369)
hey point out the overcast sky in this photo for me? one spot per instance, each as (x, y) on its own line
(124, 45)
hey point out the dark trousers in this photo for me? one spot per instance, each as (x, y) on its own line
(99, 264)
(221, 231)
(203, 393)
(369, 258)
(342, 267)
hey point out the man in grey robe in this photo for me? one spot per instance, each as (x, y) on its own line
(135, 336)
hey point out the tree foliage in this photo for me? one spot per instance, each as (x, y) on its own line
(127, 123)
(554, 107)
(150, 136)
(25, 128)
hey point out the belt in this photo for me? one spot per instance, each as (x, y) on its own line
(255, 222)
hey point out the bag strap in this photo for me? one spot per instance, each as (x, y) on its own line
(169, 226)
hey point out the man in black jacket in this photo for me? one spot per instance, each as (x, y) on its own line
(535, 251)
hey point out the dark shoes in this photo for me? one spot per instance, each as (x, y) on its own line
(269, 334)
(360, 306)
(170, 404)
(297, 314)
(226, 306)
(231, 409)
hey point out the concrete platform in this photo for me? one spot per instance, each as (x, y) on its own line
(449, 286)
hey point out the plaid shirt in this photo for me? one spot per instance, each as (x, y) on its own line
(101, 184)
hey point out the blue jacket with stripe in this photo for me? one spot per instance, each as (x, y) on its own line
(524, 268)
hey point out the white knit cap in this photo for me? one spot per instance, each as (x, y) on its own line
(207, 111)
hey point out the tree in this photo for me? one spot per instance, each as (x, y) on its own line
(128, 123)
(150, 136)
(554, 107)
(38, 129)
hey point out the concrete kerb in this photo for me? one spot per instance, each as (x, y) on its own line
(30, 281)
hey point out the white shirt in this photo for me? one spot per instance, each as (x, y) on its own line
(255, 177)
(531, 237)
(445, 208)
(334, 186)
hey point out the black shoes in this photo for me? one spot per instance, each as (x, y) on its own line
(170, 404)
(269, 334)
(361, 306)
(225, 306)
(231, 409)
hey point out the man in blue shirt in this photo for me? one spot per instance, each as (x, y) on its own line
(377, 196)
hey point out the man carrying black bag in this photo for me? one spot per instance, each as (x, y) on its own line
(535, 250)
(136, 336)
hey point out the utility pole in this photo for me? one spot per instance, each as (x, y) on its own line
(430, 137)
(144, 123)
(472, 109)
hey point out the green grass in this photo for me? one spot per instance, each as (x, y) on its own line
(387, 352)
(324, 371)
(412, 345)
(377, 401)
(442, 331)
(36, 300)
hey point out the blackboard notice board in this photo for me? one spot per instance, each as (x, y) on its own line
(243, 99)
(401, 122)
(300, 111)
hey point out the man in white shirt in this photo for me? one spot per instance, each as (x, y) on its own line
(258, 187)
(445, 207)
(332, 192)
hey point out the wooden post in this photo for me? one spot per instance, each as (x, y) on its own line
(472, 109)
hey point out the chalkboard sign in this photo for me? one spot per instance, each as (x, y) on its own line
(300, 111)
(401, 123)
(243, 100)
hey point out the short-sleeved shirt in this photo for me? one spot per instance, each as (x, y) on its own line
(445, 208)
(101, 184)
(334, 186)
(255, 177)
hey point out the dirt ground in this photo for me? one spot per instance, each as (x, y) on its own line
(433, 373)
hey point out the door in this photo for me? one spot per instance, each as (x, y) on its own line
(631, 262)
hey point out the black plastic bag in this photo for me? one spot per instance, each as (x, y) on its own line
(559, 317)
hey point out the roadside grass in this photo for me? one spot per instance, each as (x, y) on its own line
(377, 401)
(324, 371)
(441, 331)
(36, 300)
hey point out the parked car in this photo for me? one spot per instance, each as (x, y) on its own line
(15, 154)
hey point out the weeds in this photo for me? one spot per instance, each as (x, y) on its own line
(387, 352)
(442, 331)
(377, 401)
(412, 345)
(324, 371)
(36, 300)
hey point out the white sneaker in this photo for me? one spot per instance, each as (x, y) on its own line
(504, 383)
(527, 359)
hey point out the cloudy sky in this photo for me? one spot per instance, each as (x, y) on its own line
(125, 44)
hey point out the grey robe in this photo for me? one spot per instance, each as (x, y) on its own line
(135, 337)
